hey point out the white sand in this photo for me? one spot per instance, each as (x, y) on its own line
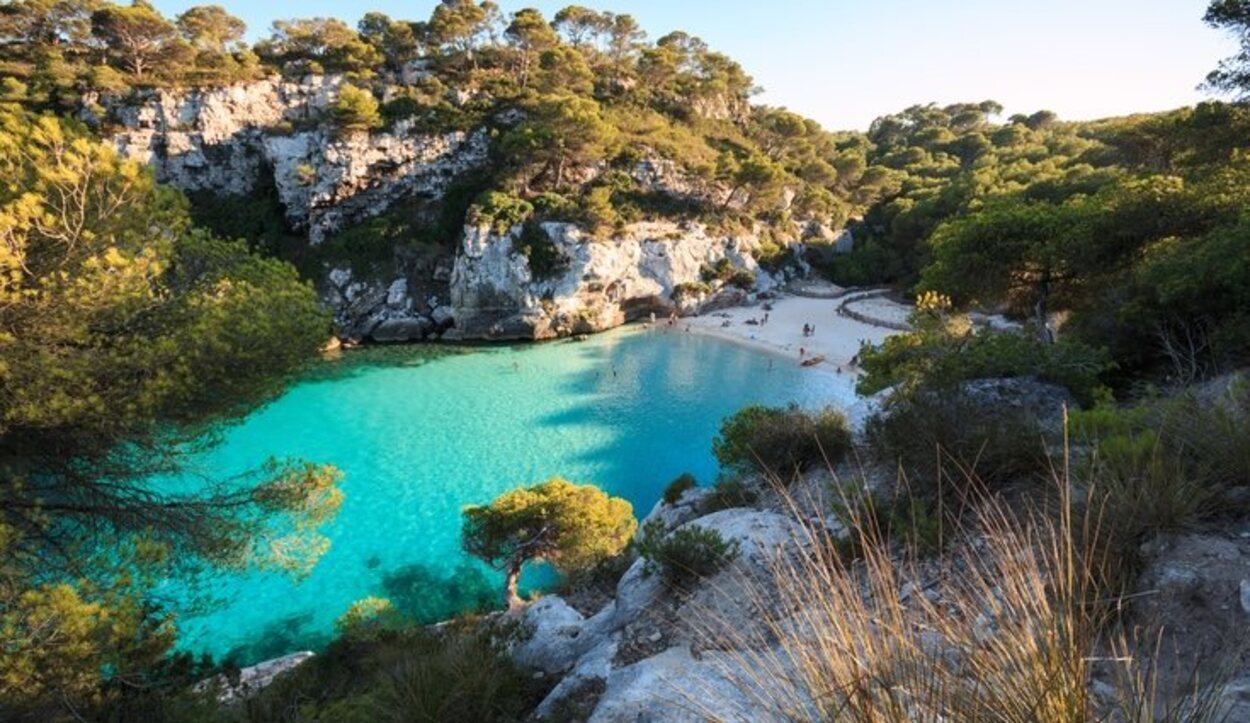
(837, 338)
(881, 308)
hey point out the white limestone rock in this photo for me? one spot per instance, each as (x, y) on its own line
(223, 139)
(553, 629)
(675, 687)
(605, 282)
(685, 509)
(759, 533)
(253, 678)
(637, 590)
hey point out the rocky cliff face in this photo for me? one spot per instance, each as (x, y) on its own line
(651, 268)
(228, 140)
(225, 140)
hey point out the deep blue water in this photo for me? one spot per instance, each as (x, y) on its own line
(628, 411)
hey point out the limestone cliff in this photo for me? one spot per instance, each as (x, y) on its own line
(652, 268)
(225, 141)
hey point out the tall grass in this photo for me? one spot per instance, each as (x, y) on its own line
(1008, 626)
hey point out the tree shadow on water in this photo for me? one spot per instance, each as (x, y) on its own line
(281, 637)
(425, 595)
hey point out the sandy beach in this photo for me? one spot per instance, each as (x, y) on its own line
(836, 338)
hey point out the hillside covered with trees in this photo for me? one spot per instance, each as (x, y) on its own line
(128, 324)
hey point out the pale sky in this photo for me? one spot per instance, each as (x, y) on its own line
(845, 62)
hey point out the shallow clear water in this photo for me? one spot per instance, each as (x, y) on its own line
(628, 411)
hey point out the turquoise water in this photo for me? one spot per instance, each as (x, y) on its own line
(628, 411)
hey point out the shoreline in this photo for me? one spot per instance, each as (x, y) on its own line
(837, 338)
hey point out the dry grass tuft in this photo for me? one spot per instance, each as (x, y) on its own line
(1008, 626)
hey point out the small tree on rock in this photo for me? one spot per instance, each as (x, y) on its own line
(356, 110)
(573, 527)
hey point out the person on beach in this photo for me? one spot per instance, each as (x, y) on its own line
(765, 317)
(802, 352)
(653, 318)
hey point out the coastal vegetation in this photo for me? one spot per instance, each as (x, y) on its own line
(127, 335)
(782, 441)
(686, 555)
(572, 527)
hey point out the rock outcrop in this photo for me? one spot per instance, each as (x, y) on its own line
(251, 680)
(652, 268)
(225, 141)
(641, 656)
(275, 136)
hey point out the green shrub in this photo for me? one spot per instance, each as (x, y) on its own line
(356, 110)
(455, 673)
(691, 288)
(501, 211)
(107, 80)
(545, 258)
(678, 487)
(941, 440)
(781, 440)
(554, 207)
(401, 108)
(727, 493)
(742, 278)
(943, 356)
(1162, 464)
(724, 271)
(686, 554)
(774, 256)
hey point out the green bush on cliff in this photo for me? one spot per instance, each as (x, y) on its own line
(782, 441)
(356, 110)
(545, 257)
(686, 554)
(458, 672)
(500, 211)
(678, 487)
(1164, 463)
(944, 350)
(938, 438)
(724, 271)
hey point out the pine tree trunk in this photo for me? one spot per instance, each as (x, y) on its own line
(510, 596)
(1041, 311)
